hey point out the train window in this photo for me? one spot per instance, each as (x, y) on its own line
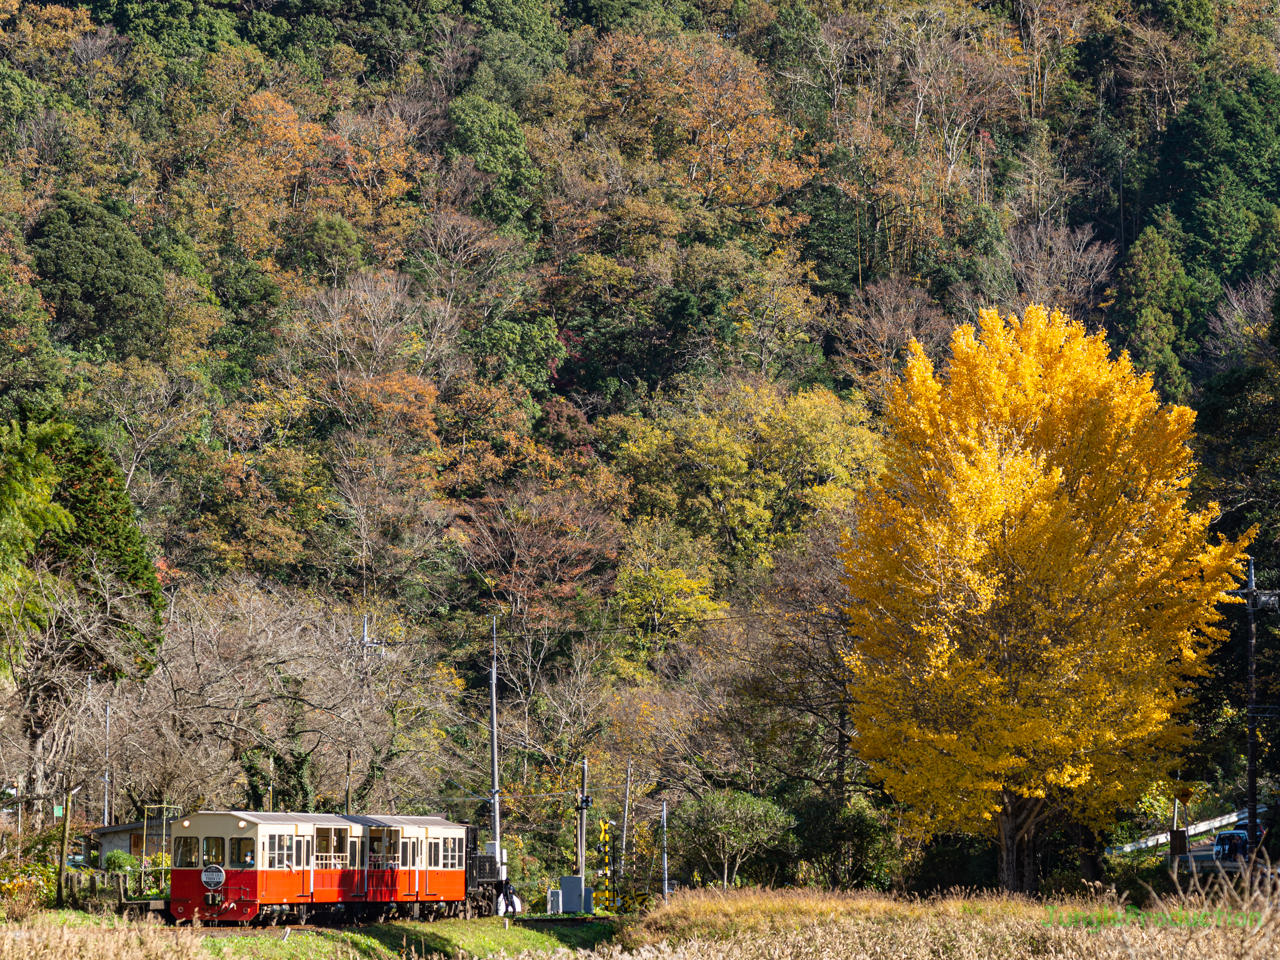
(242, 853)
(353, 859)
(404, 853)
(186, 852)
(433, 849)
(280, 851)
(452, 859)
(215, 851)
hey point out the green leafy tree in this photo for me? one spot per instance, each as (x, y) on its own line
(843, 839)
(106, 290)
(331, 248)
(744, 463)
(31, 372)
(28, 507)
(526, 352)
(532, 20)
(1152, 345)
(1222, 227)
(1216, 175)
(724, 828)
(509, 67)
(490, 134)
(1191, 18)
(177, 28)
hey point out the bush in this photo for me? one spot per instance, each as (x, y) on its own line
(1136, 877)
(25, 887)
(117, 861)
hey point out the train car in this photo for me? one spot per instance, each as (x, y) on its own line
(242, 867)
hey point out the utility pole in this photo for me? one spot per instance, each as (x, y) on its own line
(1255, 599)
(493, 746)
(583, 803)
(106, 775)
(626, 812)
(664, 851)
(66, 834)
(348, 783)
(1251, 601)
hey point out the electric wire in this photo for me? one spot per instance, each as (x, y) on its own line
(607, 631)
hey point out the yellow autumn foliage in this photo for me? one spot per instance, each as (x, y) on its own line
(745, 463)
(1029, 591)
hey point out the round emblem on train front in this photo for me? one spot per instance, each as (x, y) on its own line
(213, 876)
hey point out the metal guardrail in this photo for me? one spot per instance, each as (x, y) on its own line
(1196, 829)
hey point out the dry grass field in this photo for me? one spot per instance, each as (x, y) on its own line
(772, 925)
(1212, 924)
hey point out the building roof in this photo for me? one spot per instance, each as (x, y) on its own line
(336, 820)
(152, 826)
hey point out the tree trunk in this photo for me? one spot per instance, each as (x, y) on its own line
(1018, 819)
(1090, 864)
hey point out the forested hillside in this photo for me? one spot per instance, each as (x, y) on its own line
(339, 337)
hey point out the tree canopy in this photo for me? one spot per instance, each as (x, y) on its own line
(1030, 590)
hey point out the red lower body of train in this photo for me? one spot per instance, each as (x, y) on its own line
(249, 896)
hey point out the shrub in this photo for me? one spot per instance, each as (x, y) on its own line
(24, 887)
(117, 861)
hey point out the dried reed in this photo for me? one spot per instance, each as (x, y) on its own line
(44, 940)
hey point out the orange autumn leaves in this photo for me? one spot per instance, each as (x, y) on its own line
(652, 135)
(702, 111)
(251, 163)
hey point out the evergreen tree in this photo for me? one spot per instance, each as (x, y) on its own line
(105, 288)
(104, 549)
(1217, 176)
(1222, 226)
(1152, 306)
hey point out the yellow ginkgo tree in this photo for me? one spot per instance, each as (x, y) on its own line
(1030, 593)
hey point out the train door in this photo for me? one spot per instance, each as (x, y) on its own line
(309, 866)
(384, 862)
(433, 875)
(410, 881)
(358, 858)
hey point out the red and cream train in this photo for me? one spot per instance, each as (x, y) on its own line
(241, 867)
